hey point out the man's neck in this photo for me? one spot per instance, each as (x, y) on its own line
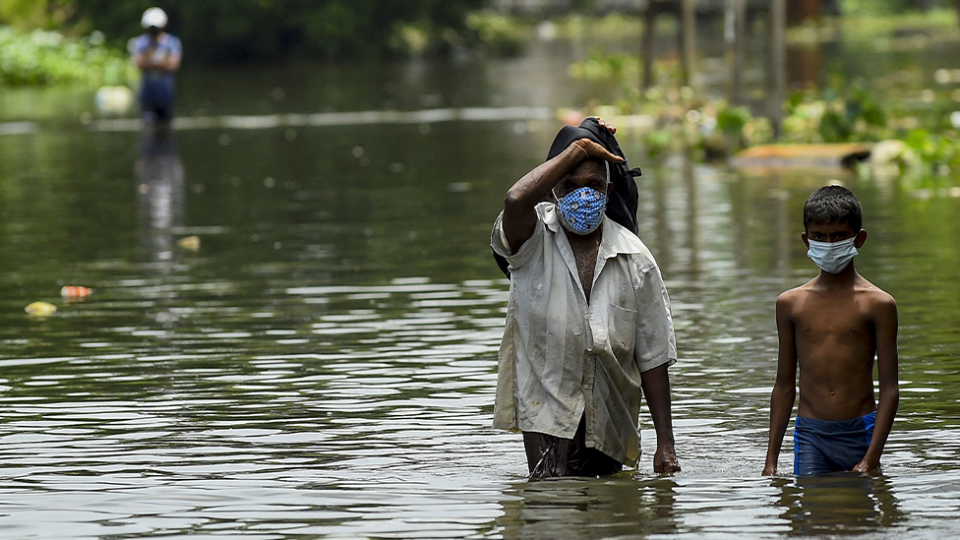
(586, 249)
(585, 239)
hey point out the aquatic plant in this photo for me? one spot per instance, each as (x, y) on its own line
(500, 34)
(679, 118)
(485, 31)
(44, 57)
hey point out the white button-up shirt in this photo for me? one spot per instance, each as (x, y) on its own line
(563, 357)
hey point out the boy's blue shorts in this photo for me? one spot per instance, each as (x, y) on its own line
(823, 446)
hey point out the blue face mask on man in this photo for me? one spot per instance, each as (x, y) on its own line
(832, 257)
(581, 211)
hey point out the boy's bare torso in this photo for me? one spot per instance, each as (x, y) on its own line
(836, 341)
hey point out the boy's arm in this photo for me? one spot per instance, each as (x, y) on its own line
(887, 359)
(785, 389)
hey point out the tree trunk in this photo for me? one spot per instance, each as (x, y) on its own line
(801, 10)
(649, 43)
(688, 40)
(777, 73)
(735, 34)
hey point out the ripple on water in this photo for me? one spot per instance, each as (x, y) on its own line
(179, 413)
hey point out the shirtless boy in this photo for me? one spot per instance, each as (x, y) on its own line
(833, 327)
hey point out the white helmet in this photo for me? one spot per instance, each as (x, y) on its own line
(154, 17)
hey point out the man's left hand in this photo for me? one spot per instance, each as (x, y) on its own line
(865, 466)
(665, 460)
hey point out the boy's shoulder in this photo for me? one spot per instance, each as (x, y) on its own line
(873, 296)
(876, 296)
(797, 293)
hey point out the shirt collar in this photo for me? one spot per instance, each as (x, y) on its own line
(614, 238)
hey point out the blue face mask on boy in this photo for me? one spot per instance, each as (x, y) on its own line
(832, 257)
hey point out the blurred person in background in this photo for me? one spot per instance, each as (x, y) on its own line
(157, 54)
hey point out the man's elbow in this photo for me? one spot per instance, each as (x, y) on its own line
(513, 201)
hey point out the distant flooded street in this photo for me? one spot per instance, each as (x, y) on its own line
(295, 318)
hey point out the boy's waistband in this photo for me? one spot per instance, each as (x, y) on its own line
(859, 423)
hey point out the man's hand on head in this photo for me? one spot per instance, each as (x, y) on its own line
(665, 460)
(593, 150)
(609, 127)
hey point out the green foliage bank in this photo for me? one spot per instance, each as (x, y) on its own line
(243, 30)
(47, 57)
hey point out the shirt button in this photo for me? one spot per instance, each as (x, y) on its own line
(577, 331)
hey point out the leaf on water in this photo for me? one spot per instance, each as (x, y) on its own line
(40, 309)
(191, 243)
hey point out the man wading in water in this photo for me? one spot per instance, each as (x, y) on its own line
(588, 321)
(157, 54)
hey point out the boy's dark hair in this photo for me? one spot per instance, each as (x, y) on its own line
(831, 204)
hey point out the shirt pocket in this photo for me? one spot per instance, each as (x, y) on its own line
(623, 331)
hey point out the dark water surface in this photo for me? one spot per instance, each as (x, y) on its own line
(324, 364)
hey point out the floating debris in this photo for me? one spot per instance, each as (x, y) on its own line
(190, 243)
(815, 156)
(40, 309)
(459, 187)
(113, 99)
(75, 291)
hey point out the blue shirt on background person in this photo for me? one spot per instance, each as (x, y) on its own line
(158, 55)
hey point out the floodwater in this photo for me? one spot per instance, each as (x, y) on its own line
(323, 363)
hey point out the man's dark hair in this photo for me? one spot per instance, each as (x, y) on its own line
(831, 204)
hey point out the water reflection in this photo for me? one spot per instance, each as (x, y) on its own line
(838, 504)
(589, 508)
(693, 217)
(160, 185)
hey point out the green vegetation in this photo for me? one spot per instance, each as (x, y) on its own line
(215, 31)
(884, 7)
(681, 119)
(42, 43)
(34, 14)
(916, 121)
(45, 57)
(501, 34)
(243, 30)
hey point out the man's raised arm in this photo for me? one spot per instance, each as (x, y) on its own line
(519, 206)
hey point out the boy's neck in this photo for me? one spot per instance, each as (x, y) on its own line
(845, 278)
